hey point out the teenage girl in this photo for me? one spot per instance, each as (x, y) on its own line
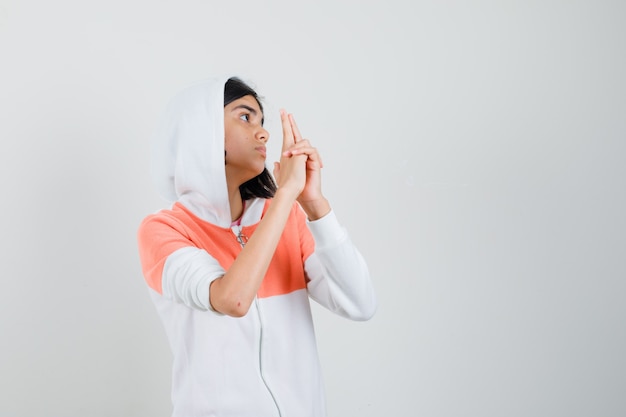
(233, 263)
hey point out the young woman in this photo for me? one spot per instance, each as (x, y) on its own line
(234, 261)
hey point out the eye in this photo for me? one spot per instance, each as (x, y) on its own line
(245, 117)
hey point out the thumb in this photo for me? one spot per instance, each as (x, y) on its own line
(276, 171)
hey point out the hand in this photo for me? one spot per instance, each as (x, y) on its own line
(294, 146)
(290, 172)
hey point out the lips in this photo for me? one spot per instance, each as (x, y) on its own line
(262, 150)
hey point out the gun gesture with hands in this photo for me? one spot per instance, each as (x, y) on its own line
(300, 167)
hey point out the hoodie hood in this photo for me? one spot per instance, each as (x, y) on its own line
(188, 151)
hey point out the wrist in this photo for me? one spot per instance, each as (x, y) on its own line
(284, 193)
(315, 209)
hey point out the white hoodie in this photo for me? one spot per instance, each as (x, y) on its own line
(265, 363)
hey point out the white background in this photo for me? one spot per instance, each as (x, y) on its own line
(474, 150)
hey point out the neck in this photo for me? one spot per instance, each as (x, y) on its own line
(234, 199)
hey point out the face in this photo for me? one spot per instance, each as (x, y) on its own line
(245, 139)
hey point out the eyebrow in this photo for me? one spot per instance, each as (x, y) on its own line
(251, 110)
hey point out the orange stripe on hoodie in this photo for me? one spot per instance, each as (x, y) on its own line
(178, 228)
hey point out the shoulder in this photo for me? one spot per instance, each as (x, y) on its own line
(168, 221)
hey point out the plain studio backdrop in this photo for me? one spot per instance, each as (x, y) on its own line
(474, 150)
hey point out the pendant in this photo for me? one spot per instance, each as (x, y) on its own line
(242, 239)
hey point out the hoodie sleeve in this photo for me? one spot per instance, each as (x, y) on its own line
(173, 266)
(338, 275)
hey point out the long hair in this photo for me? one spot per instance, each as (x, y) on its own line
(263, 185)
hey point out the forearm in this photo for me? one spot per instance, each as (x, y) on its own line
(340, 281)
(338, 275)
(233, 293)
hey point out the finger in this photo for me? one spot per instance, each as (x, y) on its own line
(301, 144)
(309, 151)
(296, 132)
(288, 139)
(313, 165)
(276, 171)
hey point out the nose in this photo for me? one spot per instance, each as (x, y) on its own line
(262, 135)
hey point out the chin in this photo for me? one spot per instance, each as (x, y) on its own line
(260, 170)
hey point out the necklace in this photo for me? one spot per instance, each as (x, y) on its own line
(241, 238)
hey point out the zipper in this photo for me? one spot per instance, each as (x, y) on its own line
(243, 239)
(258, 310)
